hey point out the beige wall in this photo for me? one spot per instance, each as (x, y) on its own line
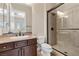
(52, 38)
(39, 18)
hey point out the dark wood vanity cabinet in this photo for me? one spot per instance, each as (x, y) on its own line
(29, 50)
(14, 52)
(19, 48)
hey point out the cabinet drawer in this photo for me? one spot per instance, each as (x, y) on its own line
(32, 41)
(6, 46)
(20, 44)
(14, 52)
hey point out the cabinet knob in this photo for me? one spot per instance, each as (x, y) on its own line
(4, 47)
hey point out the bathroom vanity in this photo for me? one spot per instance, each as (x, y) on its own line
(18, 46)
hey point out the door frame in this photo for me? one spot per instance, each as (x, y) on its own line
(47, 17)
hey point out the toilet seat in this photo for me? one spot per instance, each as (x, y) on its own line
(46, 47)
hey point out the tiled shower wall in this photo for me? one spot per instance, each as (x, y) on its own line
(68, 29)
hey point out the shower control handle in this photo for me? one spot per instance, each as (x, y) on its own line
(52, 28)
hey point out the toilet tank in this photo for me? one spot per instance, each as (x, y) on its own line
(40, 39)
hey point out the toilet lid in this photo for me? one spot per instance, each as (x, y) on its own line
(45, 45)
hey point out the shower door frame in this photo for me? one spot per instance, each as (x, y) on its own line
(47, 18)
(47, 26)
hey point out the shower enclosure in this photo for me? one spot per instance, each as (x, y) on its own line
(67, 29)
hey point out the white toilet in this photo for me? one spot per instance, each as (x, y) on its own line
(45, 49)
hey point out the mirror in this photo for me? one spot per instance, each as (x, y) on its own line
(14, 17)
(3, 18)
(21, 17)
(17, 19)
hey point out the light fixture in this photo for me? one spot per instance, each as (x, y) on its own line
(29, 4)
(61, 14)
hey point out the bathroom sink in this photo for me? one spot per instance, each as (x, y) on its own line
(19, 37)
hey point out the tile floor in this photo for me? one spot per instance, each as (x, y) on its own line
(54, 53)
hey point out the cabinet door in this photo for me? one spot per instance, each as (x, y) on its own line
(15, 52)
(30, 50)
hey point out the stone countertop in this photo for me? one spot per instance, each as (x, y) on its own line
(16, 38)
